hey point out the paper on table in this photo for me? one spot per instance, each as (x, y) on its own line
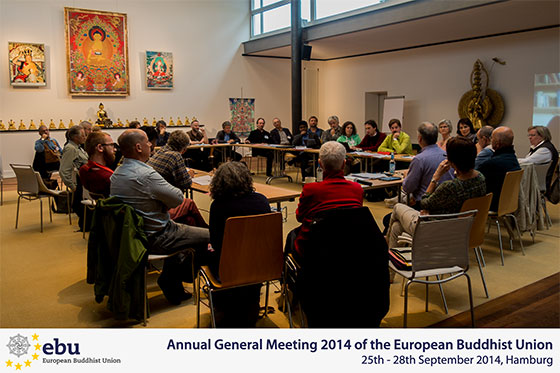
(202, 180)
(368, 175)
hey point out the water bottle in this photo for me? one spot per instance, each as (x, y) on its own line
(392, 164)
(319, 177)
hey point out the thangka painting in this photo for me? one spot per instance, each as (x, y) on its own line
(97, 52)
(159, 70)
(27, 64)
(242, 115)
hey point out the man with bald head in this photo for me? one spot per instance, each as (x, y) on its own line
(139, 185)
(503, 160)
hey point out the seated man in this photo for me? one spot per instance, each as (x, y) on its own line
(423, 165)
(96, 174)
(483, 146)
(139, 185)
(333, 192)
(198, 157)
(503, 160)
(447, 197)
(542, 151)
(74, 157)
(313, 122)
(334, 132)
(45, 163)
(373, 138)
(260, 136)
(226, 136)
(280, 135)
(163, 135)
(308, 140)
(398, 142)
(168, 161)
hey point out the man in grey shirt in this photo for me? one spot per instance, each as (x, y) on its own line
(483, 146)
(139, 185)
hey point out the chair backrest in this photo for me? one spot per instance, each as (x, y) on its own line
(542, 170)
(509, 196)
(442, 241)
(248, 255)
(26, 179)
(481, 205)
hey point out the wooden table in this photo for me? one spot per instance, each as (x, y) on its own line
(273, 194)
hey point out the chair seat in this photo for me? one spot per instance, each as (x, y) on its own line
(217, 284)
(427, 273)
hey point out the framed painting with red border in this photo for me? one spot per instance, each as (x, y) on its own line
(96, 52)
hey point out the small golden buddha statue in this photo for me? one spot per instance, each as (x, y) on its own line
(21, 125)
(41, 123)
(179, 123)
(171, 123)
(127, 123)
(52, 126)
(2, 126)
(71, 124)
(32, 125)
(187, 121)
(154, 122)
(146, 122)
(119, 123)
(61, 125)
(102, 118)
(12, 125)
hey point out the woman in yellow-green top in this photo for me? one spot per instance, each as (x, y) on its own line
(398, 142)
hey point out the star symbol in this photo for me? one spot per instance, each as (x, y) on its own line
(37, 346)
(35, 356)
(35, 337)
(18, 366)
(27, 363)
(8, 363)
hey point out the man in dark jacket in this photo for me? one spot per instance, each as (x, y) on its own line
(261, 136)
(503, 161)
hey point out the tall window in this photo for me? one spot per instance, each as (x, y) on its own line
(273, 15)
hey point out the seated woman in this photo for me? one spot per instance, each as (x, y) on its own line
(466, 129)
(448, 197)
(444, 127)
(47, 156)
(234, 195)
(350, 137)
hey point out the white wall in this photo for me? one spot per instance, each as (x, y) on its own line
(433, 79)
(204, 36)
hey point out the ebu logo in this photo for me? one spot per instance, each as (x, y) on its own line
(61, 348)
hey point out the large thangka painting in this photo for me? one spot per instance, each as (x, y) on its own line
(27, 64)
(159, 70)
(242, 115)
(97, 52)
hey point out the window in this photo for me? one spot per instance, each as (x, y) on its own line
(273, 15)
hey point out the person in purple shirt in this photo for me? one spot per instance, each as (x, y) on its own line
(424, 164)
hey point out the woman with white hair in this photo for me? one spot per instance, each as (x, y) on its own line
(444, 127)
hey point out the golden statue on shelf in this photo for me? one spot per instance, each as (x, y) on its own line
(61, 125)
(52, 126)
(12, 126)
(32, 125)
(171, 122)
(146, 122)
(70, 124)
(154, 122)
(21, 125)
(187, 121)
(179, 123)
(482, 105)
(102, 118)
(119, 123)
(2, 127)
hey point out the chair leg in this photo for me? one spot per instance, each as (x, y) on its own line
(41, 212)
(198, 301)
(443, 297)
(518, 234)
(547, 219)
(195, 288)
(481, 256)
(266, 299)
(84, 226)
(68, 206)
(470, 298)
(145, 321)
(477, 255)
(17, 210)
(405, 303)
(49, 207)
(212, 308)
(500, 240)
(427, 294)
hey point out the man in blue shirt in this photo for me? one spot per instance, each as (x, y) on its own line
(424, 164)
(139, 185)
(313, 121)
(483, 146)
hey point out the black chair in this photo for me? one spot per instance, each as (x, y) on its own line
(343, 279)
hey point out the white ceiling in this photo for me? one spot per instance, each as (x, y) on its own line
(482, 21)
